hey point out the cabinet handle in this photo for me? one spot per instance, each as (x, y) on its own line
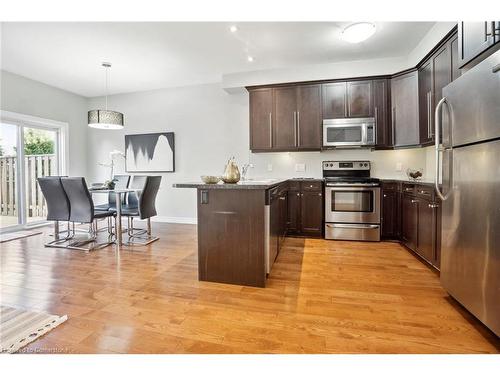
(270, 130)
(414, 201)
(298, 128)
(320, 194)
(295, 127)
(282, 198)
(393, 121)
(429, 115)
(298, 194)
(433, 205)
(385, 195)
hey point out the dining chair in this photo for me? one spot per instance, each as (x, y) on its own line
(82, 211)
(137, 182)
(121, 182)
(58, 207)
(145, 209)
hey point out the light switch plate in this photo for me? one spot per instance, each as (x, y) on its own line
(399, 167)
(300, 167)
(269, 167)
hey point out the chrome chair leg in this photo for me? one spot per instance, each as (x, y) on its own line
(58, 240)
(137, 236)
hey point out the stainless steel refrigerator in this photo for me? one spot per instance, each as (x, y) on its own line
(468, 181)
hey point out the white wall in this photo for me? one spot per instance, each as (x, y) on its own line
(28, 97)
(235, 83)
(429, 41)
(210, 126)
(384, 163)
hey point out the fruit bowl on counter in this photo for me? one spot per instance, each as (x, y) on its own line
(414, 174)
(210, 179)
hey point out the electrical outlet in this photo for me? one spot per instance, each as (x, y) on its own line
(269, 167)
(399, 167)
(301, 167)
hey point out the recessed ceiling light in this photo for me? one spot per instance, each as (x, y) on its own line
(250, 59)
(233, 29)
(357, 32)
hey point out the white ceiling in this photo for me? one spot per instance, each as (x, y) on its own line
(164, 54)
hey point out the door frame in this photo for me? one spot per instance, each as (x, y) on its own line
(61, 149)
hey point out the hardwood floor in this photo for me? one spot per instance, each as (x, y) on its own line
(321, 297)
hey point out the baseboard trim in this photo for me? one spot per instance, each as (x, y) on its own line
(174, 219)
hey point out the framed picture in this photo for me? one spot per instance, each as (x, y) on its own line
(154, 152)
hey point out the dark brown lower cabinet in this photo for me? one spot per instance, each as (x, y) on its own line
(283, 212)
(305, 208)
(420, 220)
(231, 236)
(426, 230)
(391, 211)
(274, 225)
(409, 221)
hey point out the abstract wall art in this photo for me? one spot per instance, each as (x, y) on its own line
(153, 152)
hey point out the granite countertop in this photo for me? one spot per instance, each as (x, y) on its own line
(242, 185)
(270, 183)
(419, 182)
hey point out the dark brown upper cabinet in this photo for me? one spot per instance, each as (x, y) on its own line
(476, 37)
(455, 62)
(381, 94)
(404, 110)
(359, 99)
(425, 107)
(335, 100)
(347, 99)
(434, 74)
(309, 121)
(261, 109)
(285, 117)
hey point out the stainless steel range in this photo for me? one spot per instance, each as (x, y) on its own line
(352, 201)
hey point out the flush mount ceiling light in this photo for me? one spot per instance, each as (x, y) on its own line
(233, 29)
(103, 118)
(250, 59)
(357, 32)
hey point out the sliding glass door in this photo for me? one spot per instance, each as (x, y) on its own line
(30, 149)
(9, 179)
(40, 159)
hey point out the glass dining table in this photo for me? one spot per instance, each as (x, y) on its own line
(119, 193)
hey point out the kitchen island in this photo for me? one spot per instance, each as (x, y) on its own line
(234, 230)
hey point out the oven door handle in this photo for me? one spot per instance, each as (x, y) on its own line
(351, 184)
(352, 188)
(353, 226)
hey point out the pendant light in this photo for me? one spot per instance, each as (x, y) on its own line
(103, 118)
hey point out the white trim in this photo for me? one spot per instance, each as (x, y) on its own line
(174, 219)
(39, 122)
(61, 149)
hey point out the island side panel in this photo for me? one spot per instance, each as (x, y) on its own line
(231, 236)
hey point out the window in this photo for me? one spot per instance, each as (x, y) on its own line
(30, 147)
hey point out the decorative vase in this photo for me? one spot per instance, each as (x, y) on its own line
(231, 172)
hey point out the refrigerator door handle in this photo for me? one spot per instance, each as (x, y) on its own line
(439, 149)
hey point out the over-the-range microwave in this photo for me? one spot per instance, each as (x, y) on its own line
(349, 132)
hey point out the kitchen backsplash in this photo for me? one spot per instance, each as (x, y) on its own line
(385, 164)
